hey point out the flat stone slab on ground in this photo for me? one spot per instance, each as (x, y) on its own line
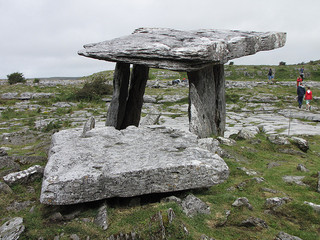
(130, 162)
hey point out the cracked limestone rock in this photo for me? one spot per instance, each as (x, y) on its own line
(183, 50)
(125, 163)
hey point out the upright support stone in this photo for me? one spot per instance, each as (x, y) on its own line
(207, 110)
(138, 81)
(118, 104)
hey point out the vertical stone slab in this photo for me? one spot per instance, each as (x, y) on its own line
(207, 110)
(138, 81)
(117, 107)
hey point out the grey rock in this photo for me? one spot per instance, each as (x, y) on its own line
(302, 168)
(249, 172)
(172, 199)
(211, 145)
(122, 236)
(227, 141)
(278, 140)
(101, 219)
(182, 50)
(56, 217)
(242, 201)
(9, 95)
(74, 237)
(89, 124)
(126, 163)
(273, 203)
(3, 152)
(315, 207)
(192, 206)
(205, 237)
(4, 188)
(258, 179)
(301, 143)
(171, 215)
(286, 236)
(245, 134)
(64, 104)
(294, 179)
(273, 164)
(25, 176)
(149, 99)
(254, 222)
(12, 229)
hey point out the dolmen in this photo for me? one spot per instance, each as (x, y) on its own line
(200, 53)
(122, 159)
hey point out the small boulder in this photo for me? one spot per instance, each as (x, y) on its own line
(3, 152)
(286, 236)
(12, 229)
(278, 140)
(302, 168)
(301, 143)
(101, 219)
(254, 222)
(294, 179)
(4, 188)
(242, 201)
(25, 176)
(227, 141)
(89, 124)
(245, 134)
(315, 207)
(192, 206)
(273, 203)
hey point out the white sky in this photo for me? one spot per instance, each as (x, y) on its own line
(40, 38)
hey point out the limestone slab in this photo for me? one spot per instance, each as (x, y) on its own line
(124, 163)
(183, 50)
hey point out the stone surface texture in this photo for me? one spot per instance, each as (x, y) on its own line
(12, 229)
(183, 50)
(125, 163)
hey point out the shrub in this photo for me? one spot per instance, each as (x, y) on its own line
(16, 77)
(282, 63)
(36, 80)
(94, 90)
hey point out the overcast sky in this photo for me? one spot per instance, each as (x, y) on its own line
(40, 38)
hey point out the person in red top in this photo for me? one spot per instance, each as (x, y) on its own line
(308, 98)
(299, 79)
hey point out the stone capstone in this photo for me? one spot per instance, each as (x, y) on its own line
(125, 163)
(183, 50)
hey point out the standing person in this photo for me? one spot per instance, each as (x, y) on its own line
(299, 80)
(308, 98)
(300, 91)
(270, 75)
(302, 72)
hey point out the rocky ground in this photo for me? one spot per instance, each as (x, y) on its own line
(248, 117)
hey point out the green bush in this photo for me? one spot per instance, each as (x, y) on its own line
(94, 90)
(16, 77)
